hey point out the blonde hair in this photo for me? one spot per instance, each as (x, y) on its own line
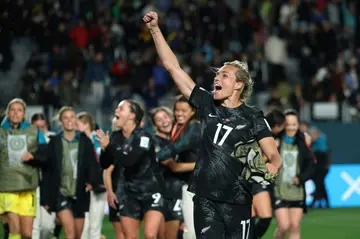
(158, 109)
(63, 109)
(13, 101)
(86, 118)
(243, 75)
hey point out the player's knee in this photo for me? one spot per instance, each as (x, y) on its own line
(26, 232)
(150, 234)
(283, 226)
(294, 227)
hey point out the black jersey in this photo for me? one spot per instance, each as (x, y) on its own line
(218, 173)
(185, 149)
(117, 178)
(136, 155)
(170, 182)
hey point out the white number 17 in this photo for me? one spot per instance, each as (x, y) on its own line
(219, 127)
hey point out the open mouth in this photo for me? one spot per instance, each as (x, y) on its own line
(217, 87)
(116, 117)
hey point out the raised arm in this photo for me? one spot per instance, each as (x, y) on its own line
(167, 56)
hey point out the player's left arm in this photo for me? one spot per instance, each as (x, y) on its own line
(268, 147)
(267, 142)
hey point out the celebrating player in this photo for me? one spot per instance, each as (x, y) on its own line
(232, 135)
(289, 189)
(134, 149)
(185, 138)
(70, 173)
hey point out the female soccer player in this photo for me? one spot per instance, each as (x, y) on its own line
(70, 173)
(134, 149)
(21, 145)
(175, 174)
(289, 189)
(231, 134)
(261, 195)
(185, 138)
(94, 219)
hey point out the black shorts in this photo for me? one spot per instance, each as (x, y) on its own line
(133, 207)
(279, 203)
(114, 214)
(68, 203)
(258, 188)
(218, 220)
(172, 209)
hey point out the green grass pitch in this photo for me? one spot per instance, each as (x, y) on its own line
(337, 223)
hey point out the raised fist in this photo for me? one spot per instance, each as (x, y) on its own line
(151, 20)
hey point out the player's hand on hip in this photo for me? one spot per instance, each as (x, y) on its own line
(272, 168)
(151, 20)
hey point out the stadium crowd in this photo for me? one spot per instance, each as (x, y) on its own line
(298, 50)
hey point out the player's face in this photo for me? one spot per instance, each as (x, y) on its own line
(291, 125)
(81, 126)
(163, 121)
(183, 112)
(225, 83)
(122, 114)
(16, 113)
(41, 124)
(68, 120)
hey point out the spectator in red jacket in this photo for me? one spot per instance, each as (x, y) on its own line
(80, 35)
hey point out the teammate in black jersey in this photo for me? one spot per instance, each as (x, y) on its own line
(133, 149)
(171, 184)
(185, 138)
(184, 141)
(261, 193)
(232, 136)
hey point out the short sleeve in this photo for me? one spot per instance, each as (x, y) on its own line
(262, 127)
(200, 99)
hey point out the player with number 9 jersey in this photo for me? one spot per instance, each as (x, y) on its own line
(134, 150)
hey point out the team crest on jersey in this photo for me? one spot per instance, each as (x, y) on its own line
(145, 142)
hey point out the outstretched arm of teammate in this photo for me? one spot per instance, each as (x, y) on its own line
(187, 141)
(167, 56)
(178, 167)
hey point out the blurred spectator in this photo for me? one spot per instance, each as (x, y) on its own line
(79, 34)
(319, 145)
(68, 94)
(95, 74)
